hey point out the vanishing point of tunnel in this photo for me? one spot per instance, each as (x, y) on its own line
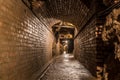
(59, 39)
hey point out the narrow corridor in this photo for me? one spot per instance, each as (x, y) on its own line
(35, 33)
(65, 67)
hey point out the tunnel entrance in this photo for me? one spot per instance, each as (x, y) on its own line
(64, 37)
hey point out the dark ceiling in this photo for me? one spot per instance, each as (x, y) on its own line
(87, 2)
(73, 11)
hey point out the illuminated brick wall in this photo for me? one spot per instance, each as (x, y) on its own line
(25, 42)
(85, 47)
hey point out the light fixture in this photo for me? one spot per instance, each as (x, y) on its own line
(98, 31)
(66, 41)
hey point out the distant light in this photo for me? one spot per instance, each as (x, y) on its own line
(64, 52)
(66, 41)
(66, 55)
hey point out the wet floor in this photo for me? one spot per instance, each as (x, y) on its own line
(66, 67)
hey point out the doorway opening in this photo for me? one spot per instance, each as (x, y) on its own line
(64, 33)
(68, 45)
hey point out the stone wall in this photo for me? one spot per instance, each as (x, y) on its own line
(111, 68)
(112, 50)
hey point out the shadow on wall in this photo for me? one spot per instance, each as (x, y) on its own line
(111, 68)
(111, 65)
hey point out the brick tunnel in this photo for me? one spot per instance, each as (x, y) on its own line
(59, 40)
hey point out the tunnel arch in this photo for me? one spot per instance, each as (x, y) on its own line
(63, 31)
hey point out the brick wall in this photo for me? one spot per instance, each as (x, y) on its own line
(25, 42)
(85, 47)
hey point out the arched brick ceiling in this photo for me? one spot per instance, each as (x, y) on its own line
(68, 10)
(73, 11)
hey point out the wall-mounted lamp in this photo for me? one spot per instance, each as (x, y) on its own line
(98, 31)
(66, 41)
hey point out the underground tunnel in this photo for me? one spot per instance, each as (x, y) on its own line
(59, 39)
